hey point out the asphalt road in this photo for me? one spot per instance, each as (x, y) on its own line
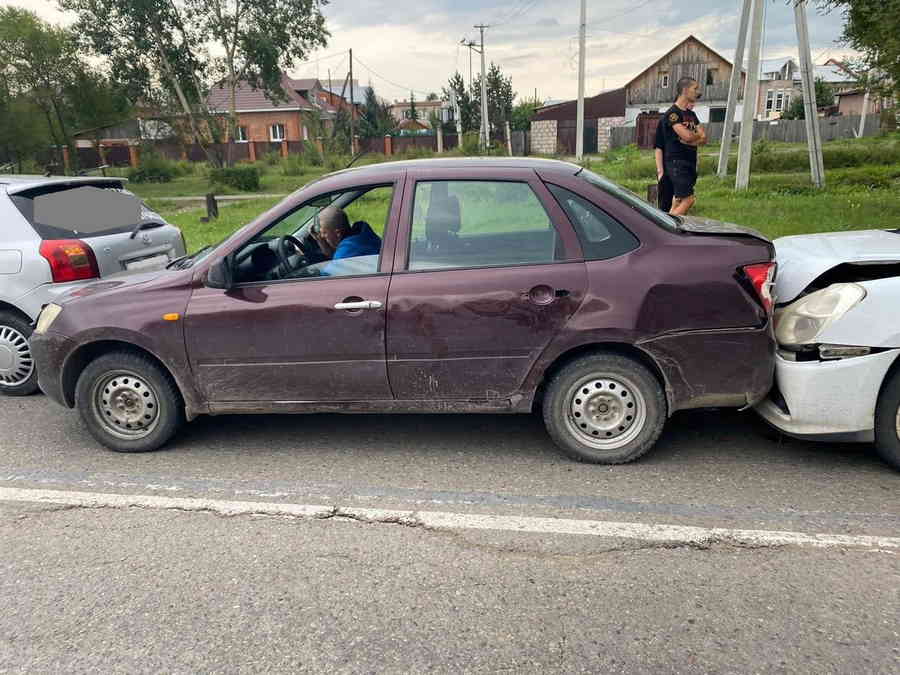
(273, 544)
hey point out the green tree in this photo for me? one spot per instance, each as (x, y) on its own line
(824, 97)
(873, 28)
(413, 113)
(522, 113)
(23, 133)
(500, 96)
(37, 59)
(469, 117)
(375, 117)
(432, 97)
(95, 102)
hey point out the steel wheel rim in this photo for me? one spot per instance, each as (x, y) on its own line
(897, 422)
(125, 404)
(605, 412)
(16, 362)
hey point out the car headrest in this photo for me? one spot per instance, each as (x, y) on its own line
(443, 215)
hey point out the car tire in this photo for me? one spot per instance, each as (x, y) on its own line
(887, 422)
(18, 375)
(128, 402)
(604, 409)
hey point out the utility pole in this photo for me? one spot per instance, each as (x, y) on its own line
(751, 93)
(352, 109)
(733, 90)
(865, 105)
(813, 137)
(579, 114)
(469, 44)
(485, 125)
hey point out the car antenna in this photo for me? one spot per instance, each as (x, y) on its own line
(356, 157)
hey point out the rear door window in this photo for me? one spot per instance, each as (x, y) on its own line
(601, 235)
(471, 223)
(66, 212)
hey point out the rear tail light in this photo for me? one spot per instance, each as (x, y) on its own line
(70, 260)
(762, 278)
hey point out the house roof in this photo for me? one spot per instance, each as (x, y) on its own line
(305, 84)
(829, 73)
(249, 99)
(335, 87)
(775, 65)
(687, 39)
(608, 104)
(408, 124)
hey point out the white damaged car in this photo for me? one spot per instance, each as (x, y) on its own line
(837, 323)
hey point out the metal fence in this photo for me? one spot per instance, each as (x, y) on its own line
(791, 131)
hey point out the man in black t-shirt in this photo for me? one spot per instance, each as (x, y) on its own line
(682, 134)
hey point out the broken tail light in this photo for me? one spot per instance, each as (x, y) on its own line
(762, 278)
(70, 260)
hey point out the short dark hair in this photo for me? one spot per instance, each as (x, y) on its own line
(682, 84)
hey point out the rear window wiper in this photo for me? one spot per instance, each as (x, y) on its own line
(145, 225)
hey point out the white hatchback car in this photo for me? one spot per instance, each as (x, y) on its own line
(58, 233)
(837, 324)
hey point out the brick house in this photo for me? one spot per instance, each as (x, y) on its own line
(553, 127)
(261, 119)
(402, 110)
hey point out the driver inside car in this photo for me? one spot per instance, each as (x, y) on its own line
(338, 239)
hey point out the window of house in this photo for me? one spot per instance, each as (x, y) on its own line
(460, 224)
(770, 101)
(240, 135)
(712, 76)
(664, 80)
(276, 132)
(601, 235)
(305, 133)
(779, 101)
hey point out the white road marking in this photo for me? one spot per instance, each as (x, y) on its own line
(671, 534)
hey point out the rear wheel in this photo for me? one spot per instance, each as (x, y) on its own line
(128, 402)
(887, 422)
(604, 409)
(18, 376)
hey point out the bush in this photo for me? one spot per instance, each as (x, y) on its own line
(244, 178)
(336, 162)
(311, 154)
(153, 169)
(470, 144)
(272, 158)
(292, 165)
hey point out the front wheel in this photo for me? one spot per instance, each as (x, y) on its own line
(18, 376)
(128, 402)
(604, 409)
(887, 422)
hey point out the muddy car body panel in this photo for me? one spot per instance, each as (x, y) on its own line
(435, 338)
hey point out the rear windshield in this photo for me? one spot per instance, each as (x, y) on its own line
(83, 211)
(630, 199)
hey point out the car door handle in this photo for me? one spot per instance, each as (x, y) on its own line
(362, 304)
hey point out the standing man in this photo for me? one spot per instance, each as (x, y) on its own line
(682, 134)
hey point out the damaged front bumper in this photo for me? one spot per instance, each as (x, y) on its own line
(827, 400)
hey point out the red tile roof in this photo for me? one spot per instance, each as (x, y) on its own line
(248, 98)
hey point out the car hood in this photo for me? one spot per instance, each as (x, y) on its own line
(120, 282)
(804, 258)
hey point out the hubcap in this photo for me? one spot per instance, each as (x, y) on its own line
(16, 363)
(126, 405)
(897, 422)
(606, 412)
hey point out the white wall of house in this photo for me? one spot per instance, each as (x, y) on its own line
(543, 137)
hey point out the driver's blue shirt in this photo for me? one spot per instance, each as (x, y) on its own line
(364, 243)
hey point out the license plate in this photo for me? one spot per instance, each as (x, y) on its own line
(153, 262)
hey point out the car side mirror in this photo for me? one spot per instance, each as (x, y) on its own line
(220, 274)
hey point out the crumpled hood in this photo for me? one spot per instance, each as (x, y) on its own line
(804, 258)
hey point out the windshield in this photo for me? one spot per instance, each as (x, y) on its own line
(631, 199)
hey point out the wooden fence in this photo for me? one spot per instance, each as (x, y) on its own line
(791, 131)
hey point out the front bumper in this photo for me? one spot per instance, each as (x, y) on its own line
(50, 352)
(828, 400)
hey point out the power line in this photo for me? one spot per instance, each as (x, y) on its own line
(322, 58)
(396, 84)
(621, 14)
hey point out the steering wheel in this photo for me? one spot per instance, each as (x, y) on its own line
(285, 247)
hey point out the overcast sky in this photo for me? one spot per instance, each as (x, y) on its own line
(399, 46)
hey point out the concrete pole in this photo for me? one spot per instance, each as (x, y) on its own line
(485, 123)
(579, 115)
(813, 137)
(734, 88)
(508, 139)
(751, 94)
(865, 107)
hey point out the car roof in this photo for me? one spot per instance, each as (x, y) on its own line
(463, 163)
(21, 183)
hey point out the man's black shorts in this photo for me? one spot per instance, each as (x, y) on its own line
(683, 175)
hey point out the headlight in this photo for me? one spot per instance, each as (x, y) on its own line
(47, 317)
(801, 322)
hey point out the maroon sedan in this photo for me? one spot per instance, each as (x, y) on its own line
(488, 286)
